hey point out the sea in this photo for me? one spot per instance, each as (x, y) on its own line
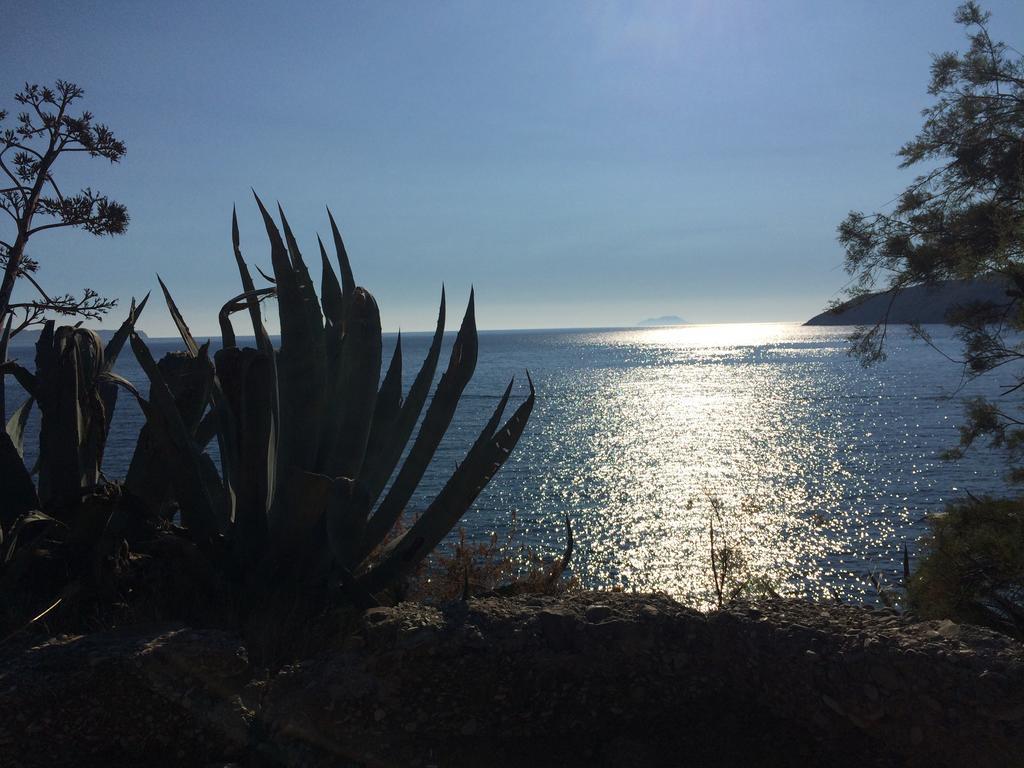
(806, 473)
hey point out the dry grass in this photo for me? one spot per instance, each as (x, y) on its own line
(496, 565)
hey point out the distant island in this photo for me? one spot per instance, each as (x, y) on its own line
(923, 304)
(663, 320)
(30, 337)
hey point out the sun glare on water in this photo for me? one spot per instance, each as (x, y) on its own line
(805, 465)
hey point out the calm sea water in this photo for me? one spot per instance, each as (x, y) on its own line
(815, 470)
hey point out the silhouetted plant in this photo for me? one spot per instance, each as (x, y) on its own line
(974, 567)
(299, 515)
(309, 436)
(46, 130)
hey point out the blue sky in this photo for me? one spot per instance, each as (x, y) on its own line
(583, 164)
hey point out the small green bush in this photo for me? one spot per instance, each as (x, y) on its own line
(974, 567)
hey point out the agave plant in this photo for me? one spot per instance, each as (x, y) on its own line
(309, 434)
(70, 510)
(75, 390)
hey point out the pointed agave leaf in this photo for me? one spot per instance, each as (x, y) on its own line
(237, 304)
(227, 331)
(386, 411)
(358, 502)
(492, 424)
(191, 382)
(17, 424)
(249, 290)
(301, 365)
(28, 380)
(207, 428)
(401, 557)
(181, 454)
(108, 390)
(114, 346)
(246, 377)
(311, 303)
(66, 424)
(435, 423)
(19, 494)
(265, 276)
(34, 520)
(219, 497)
(348, 282)
(5, 338)
(179, 321)
(330, 291)
(122, 382)
(567, 555)
(221, 422)
(383, 453)
(346, 424)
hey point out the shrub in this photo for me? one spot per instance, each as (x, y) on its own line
(973, 570)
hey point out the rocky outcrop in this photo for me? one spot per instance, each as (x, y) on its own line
(593, 679)
(922, 304)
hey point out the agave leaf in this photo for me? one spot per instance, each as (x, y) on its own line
(306, 500)
(264, 344)
(5, 338)
(181, 455)
(116, 343)
(384, 451)
(346, 425)
(492, 424)
(207, 428)
(19, 494)
(330, 295)
(227, 331)
(220, 422)
(310, 303)
(348, 282)
(179, 321)
(17, 424)
(346, 511)
(265, 276)
(108, 390)
(246, 377)
(216, 490)
(249, 290)
(237, 304)
(386, 411)
(301, 367)
(403, 555)
(567, 555)
(346, 537)
(72, 428)
(191, 382)
(435, 423)
(38, 521)
(349, 418)
(22, 375)
(120, 381)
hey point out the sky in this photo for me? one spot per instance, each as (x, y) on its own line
(580, 163)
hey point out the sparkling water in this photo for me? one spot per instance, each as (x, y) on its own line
(813, 470)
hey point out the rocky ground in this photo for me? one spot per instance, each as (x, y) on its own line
(593, 679)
